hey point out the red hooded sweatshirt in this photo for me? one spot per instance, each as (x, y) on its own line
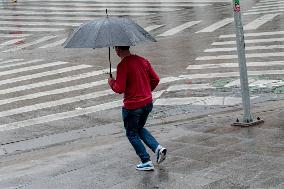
(137, 79)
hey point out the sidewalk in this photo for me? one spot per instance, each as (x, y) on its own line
(213, 154)
(205, 152)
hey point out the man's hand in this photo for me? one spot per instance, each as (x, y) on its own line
(109, 79)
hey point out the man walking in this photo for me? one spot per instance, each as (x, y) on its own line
(136, 79)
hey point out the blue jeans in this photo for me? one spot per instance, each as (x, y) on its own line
(134, 121)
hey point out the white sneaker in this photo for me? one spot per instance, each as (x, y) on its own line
(148, 166)
(161, 155)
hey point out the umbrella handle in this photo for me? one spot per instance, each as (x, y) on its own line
(109, 62)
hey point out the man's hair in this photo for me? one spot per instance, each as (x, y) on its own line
(123, 47)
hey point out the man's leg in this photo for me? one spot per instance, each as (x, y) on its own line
(131, 119)
(144, 134)
(148, 138)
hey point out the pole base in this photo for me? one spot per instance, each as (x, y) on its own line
(243, 124)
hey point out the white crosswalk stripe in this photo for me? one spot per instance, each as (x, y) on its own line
(248, 55)
(85, 13)
(15, 62)
(54, 44)
(47, 73)
(8, 61)
(14, 35)
(254, 34)
(178, 29)
(217, 25)
(248, 48)
(164, 1)
(29, 23)
(10, 42)
(110, 5)
(260, 21)
(43, 39)
(235, 65)
(153, 27)
(30, 29)
(266, 8)
(250, 41)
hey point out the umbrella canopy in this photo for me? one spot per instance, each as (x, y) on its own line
(108, 32)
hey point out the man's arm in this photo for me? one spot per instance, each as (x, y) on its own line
(118, 85)
(154, 78)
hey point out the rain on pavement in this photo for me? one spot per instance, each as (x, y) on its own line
(46, 89)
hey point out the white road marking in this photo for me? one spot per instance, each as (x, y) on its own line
(14, 35)
(251, 55)
(178, 29)
(10, 42)
(260, 5)
(15, 62)
(55, 103)
(231, 74)
(54, 44)
(42, 74)
(57, 81)
(60, 116)
(169, 79)
(43, 39)
(50, 19)
(30, 68)
(235, 65)
(190, 87)
(270, 1)
(25, 23)
(254, 34)
(111, 5)
(65, 115)
(260, 21)
(216, 25)
(258, 83)
(263, 12)
(250, 41)
(266, 8)
(53, 92)
(247, 48)
(267, 83)
(201, 101)
(73, 13)
(179, 101)
(153, 27)
(96, 9)
(9, 61)
(29, 29)
(150, 1)
(237, 83)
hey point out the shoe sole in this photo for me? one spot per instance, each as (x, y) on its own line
(145, 169)
(162, 156)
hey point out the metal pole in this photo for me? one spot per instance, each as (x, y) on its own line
(242, 62)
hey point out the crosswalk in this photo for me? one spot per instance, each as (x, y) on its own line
(29, 19)
(223, 57)
(259, 65)
(68, 99)
(34, 92)
(25, 90)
